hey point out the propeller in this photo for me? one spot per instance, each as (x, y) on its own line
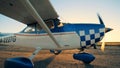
(103, 43)
(101, 22)
(106, 30)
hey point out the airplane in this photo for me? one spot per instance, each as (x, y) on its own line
(44, 31)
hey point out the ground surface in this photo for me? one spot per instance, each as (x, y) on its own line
(109, 59)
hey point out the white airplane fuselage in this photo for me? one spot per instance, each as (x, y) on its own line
(66, 40)
(76, 36)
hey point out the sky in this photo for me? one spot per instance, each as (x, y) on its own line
(78, 11)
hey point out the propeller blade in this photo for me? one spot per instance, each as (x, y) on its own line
(100, 19)
(103, 46)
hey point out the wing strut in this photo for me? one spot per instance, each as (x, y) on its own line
(35, 53)
(38, 18)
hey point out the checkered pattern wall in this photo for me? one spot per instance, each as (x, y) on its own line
(91, 36)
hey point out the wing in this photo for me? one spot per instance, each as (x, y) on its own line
(17, 11)
(29, 12)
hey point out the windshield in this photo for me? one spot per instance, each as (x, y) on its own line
(30, 29)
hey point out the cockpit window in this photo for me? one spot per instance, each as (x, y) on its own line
(29, 30)
(50, 24)
(60, 25)
(36, 28)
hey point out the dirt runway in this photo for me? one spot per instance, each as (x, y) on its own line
(109, 59)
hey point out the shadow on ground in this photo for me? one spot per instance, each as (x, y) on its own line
(44, 63)
(89, 66)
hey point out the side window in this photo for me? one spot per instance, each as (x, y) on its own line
(29, 29)
(50, 24)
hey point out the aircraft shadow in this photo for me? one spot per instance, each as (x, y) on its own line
(44, 63)
(89, 66)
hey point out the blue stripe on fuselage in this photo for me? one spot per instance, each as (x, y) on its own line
(77, 28)
(5, 34)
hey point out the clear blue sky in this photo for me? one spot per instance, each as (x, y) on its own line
(79, 11)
